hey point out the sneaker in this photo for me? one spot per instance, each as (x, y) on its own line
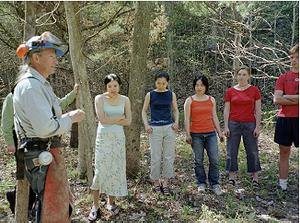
(217, 189)
(201, 188)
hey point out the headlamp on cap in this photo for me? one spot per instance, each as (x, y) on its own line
(45, 41)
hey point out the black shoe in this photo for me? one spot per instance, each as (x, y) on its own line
(11, 198)
(255, 184)
(166, 191)
(231, 182)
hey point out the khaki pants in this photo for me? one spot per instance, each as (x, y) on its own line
(162, 145)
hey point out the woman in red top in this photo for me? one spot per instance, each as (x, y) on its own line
(242, 117)
(201, 124)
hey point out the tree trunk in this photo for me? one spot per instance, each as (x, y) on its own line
(74, 136)
(22, 195)
(21, 209)
(138, 70)
(74, 129)
(237, 51)
(29, 26)
(87, 128)
(293, 24)
(237, 43)
(170, 39)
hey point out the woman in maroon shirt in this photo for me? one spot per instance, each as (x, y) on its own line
(242, 117)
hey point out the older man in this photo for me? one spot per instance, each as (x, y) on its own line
(10, 138)
(39, 123)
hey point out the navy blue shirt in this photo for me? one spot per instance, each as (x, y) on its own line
(161, 108)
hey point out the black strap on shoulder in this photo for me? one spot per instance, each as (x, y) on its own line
(12, 91)
(29, 77)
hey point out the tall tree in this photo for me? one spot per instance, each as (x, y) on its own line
(293, 26)
(138, 71)
(237, 40)
(30, 15)
(21, 209)
(87, 126)
(170, 39)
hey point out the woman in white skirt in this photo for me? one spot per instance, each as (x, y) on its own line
(113, 112)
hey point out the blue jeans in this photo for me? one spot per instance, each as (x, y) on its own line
(237, 131)
(208, 141)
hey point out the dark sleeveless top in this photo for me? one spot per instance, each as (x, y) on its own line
(161, 108)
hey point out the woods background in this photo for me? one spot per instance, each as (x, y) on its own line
(184, 38)
(132, 39)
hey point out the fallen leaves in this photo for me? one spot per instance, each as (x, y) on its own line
(241, 203)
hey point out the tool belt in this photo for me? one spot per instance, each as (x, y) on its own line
(32, 147)
(40, 143)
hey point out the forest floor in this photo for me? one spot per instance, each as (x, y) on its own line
(243, 203)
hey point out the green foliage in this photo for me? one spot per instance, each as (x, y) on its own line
(193, 36)
(269, 117)
(202, 36)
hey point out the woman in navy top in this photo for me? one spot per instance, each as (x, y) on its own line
(161, 129)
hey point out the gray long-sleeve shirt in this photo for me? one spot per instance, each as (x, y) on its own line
(33, 101)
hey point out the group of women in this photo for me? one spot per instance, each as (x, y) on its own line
(242, 116)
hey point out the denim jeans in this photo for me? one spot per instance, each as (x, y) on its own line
(245, 130)
(208, 141)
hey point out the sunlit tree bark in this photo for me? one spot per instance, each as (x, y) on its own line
(87, 127)
(138, 71)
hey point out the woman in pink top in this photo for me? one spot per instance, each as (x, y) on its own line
(242, 117)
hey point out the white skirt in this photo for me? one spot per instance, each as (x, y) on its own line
(110, 163)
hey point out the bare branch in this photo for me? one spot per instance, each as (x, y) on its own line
(50, 15)
(88, 6)
(108, 61)
(108, 22)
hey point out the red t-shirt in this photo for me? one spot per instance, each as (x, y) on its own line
(289, 84)
(242, 103)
